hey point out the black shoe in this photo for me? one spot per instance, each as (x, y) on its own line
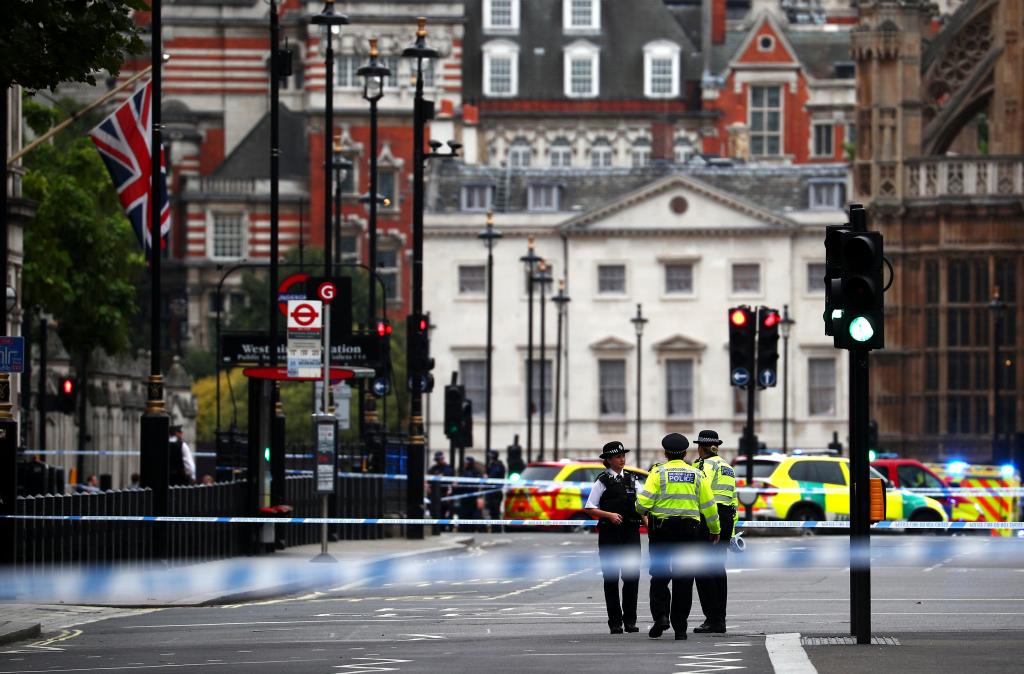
(681, 636)
(709, 629)
(632, 628)
(657, 629)
(616, 630)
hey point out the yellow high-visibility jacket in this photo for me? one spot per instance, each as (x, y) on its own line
(722, 478)
(677, 489)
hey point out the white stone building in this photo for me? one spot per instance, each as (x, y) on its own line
(686, 242)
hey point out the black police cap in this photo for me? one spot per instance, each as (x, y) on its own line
(613, 448)
(674, 443)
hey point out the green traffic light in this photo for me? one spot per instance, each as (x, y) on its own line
(871, 455)
(861, 329)
(837, 313)
(266, 454)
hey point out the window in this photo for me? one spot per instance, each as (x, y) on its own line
(561, 153)
(348, 185)
(544, 198)
(746, 279)
(679, 391)
(387, 269)
(391, 63)
(815, 277)
(501, 15)
(765, 121)
(612, 382)
(228, 235)
(349, 245)
(501, 69)
(473, 375)
(739, 401)
(472, 279)
(520, 153)
(679, 278)
(640, 153)
(548, 397)
(765, 43)
(827, 195)
(581, 65)
(823, 134)
(682, 151)
(821, 386)
(584, 475)
(386, 179)
(661, 69)
(346, 77)
(915, 477)
(601, 153)
(477, 197)
(611, 279)
(822, 472)
(428, 73)
(581, 15)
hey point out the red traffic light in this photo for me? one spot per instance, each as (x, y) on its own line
(771, 319)
(423, 325)
(67, 386)
(383, 328)
(738, 317)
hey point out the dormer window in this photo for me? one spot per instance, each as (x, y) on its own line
(582, 65)
(581, 15)
(661, 69)
(501, 16)
(501, 69)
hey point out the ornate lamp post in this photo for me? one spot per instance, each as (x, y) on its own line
(543, 279)
(560, 300)
(530, 259)
(341, 166)
(998, 307)
(490, 236)
(785, 326)
(638, 322)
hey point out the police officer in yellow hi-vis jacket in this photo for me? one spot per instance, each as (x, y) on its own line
(674, 497)
(712, 586)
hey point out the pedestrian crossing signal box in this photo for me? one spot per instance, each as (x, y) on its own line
(876, 500)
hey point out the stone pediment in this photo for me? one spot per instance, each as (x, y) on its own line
(677, 204)
(679, 343)
(611, 344)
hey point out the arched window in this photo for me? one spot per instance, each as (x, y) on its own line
(501, 68)
(601, 153)
(661, 69)
(582, 66)
(561, 153)
(682, 151)
(520, 153)
(640, 152)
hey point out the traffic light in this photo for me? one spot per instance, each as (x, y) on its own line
(741, 345)
(454, 396)
(514, 459)
(833, 269)
(768, 321)
(383, 328)
(857, 295)
(420, 363)
(465, 435)
(67, 396)
(873, 435)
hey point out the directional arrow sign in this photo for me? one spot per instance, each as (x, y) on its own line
(740, 377)
(767, 378)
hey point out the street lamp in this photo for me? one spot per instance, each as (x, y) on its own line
(531, 259)
(998, 307)
(560, 300)
(490, 237)
(543, 279)
(330, 22)
(342, 166)
(638, 322)
(785, 326)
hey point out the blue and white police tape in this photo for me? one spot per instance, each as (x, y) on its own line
(206, 582)
(756, 524)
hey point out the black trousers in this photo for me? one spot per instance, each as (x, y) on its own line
(619, 549)
(713, 585)
(670, 537)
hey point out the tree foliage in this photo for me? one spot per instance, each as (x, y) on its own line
(82, 259)
(46, 42)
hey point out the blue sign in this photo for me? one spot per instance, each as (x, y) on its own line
(767, 378)
(381, 387)
(12, 354)
(740, 376)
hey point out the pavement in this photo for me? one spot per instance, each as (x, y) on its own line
(955, 614)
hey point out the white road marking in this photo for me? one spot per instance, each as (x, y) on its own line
(708, 662)
(787, 655)
(373, 665)
(109, 668)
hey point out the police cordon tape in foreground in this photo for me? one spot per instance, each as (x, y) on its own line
(142, 584)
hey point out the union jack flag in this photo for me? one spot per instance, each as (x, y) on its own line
(123, 140)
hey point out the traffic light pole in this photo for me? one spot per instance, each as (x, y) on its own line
(749, 440)
(860, 526)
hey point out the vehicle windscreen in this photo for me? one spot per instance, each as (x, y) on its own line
(762, 469)
(541, 472)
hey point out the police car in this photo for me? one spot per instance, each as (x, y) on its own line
(561, 493)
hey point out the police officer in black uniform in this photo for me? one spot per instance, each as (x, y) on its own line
(613, 501)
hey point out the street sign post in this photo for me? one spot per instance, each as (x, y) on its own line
(305, 318)
(326, 472)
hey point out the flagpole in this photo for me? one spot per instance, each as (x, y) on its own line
(155, 422)
(79, 114)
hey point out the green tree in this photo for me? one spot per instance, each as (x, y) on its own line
(46, 42)
(78, 230)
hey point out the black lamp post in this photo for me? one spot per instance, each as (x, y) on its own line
(560, 300)
(543, 279)
(330, 22)
(490, 237)
(341, 166)
(638, 322)
(998, 307)
(785, 326)
(531, 259)
(373, 74)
